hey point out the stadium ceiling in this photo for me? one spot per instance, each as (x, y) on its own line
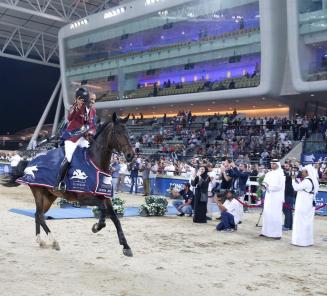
(29, 28)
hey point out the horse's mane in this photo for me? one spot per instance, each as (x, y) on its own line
(102, 127)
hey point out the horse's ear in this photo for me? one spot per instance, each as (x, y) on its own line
(125, 119)
(114, 117)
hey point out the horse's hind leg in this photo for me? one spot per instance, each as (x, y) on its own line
(49, 198)
(43, 201)
(37, 192)
(122, 240)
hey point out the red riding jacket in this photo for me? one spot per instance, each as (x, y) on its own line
(80, 123)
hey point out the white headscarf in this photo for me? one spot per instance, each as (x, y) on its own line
(313, 175)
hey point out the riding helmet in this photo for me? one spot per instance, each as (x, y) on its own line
(83, 94)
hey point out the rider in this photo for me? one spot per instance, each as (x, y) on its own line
(80, 128)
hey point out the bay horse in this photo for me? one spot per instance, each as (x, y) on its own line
(111, 136)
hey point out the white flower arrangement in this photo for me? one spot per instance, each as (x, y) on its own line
(154, 206)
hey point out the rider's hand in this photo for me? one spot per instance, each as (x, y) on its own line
(79, 103)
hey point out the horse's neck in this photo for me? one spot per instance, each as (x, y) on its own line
(100, 154)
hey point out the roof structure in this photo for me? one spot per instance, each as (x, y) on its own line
(29, 28)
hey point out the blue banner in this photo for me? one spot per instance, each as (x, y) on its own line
(313, 157)
(321, 198)
(5, 168)
(161, 185)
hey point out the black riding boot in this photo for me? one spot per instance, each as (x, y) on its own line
(60, 184)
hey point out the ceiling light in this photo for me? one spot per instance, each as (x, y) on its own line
(209, 109)
(114, 12)
(312, 95)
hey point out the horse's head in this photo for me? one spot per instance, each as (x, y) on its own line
(119, 137)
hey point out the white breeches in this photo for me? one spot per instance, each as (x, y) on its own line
(71, 146)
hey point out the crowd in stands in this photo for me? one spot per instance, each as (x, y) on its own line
(5, 156)
(218, 136)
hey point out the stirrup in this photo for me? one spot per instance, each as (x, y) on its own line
(61, 187)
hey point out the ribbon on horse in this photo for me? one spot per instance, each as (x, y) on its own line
(82, 176)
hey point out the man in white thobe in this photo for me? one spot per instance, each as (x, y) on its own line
(274, 183)
(304, 210)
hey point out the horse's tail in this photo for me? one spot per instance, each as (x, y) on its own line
(9, 180)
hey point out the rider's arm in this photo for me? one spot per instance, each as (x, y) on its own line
(72, 112)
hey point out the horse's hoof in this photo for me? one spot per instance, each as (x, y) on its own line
(42, 244)
(97, 227)
(55, 246)
(128, 252)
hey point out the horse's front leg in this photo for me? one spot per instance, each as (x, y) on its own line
(121, 236)
(102, 219)
(101, 223)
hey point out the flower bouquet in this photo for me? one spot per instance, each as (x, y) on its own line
(154, 206)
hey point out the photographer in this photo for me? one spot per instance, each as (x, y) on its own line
(230, 210)
(201, 183)
(184, 207)
(307, 187)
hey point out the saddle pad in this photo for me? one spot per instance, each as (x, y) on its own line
(82, 176)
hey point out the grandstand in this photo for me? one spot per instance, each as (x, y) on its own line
(161, 56)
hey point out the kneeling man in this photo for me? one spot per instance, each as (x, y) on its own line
(230, 212)
(184, 206)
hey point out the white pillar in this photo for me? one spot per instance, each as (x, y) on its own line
(56, 119)
(44, 116)
(324, 4)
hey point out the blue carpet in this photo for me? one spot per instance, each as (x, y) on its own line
(78, 213)
(57, 213)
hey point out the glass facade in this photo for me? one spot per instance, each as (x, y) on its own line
(203, 45)
(313, 39)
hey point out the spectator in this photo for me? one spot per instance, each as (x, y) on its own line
(123, 171)
(184, 207)
(145, 169)
(289, 198)
(153, 176)
(115, 168)
(229, 212)
(227, 180)
(134, 169)
(201, 183)
(307, 189)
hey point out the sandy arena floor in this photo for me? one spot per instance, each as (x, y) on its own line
(172, 256)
